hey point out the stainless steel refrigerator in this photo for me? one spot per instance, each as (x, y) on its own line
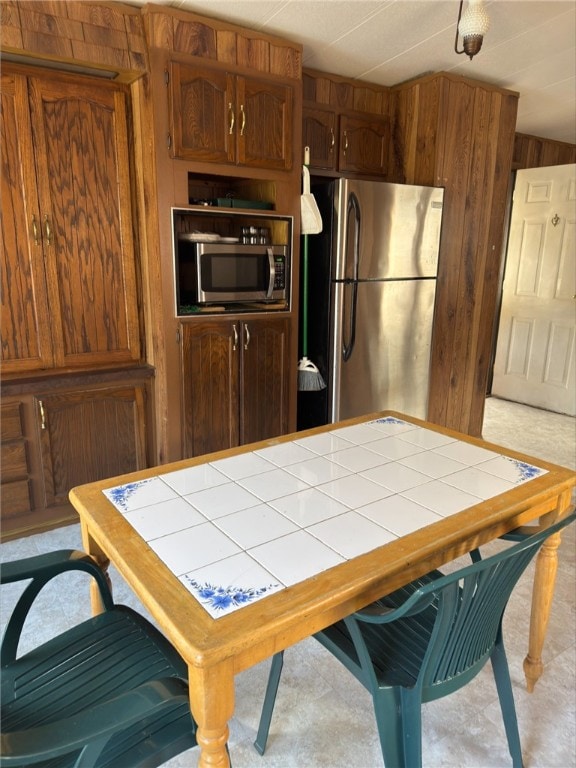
(372, 287)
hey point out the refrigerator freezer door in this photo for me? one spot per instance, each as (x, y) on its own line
(399, 229)
(389, 365)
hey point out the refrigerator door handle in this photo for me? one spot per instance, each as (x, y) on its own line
(348, 346)
(354, 209)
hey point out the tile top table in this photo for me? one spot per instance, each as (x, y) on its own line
(237, 529)
(241, 553)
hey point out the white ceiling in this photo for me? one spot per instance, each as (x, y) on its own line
(530, 46)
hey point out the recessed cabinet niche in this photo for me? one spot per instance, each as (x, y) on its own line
(68, 277)
(235, 379)
(220, 117)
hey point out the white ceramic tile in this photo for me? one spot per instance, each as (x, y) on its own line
(230, 584)
(399, 515)
(272, 485)
(255, 525)
(357, 433)
(511, 469)
(473, 480)
(163, 518)
(222, 500)
(244, 465)
(193, 479)
(327, 442)
(317, 471)
(139, 494)
(426, 438)
(283, 454)
(441, 498)
(295, 557)
(396, 477)
(465, 453)
(354, 491)
(351, 534)
(188, 550)
(432, 464)
(357, 459)
(308, 507)
(393, 448)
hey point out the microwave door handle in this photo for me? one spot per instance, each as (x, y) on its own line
(272, 266)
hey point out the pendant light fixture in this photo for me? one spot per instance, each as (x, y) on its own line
(472, 26)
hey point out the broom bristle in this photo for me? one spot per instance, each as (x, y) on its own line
(309, 377)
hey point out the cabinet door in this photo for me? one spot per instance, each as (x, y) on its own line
(363, 145)
(88, 436)
(319, 133)
(25, 332)
(210, 364)
(203, 118)
(264, 124)
(81, 153)
(264, 375)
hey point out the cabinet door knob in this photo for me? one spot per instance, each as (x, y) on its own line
(47, 229)
(35, 231)
(231, 118)
(235, 342)
(332, 140)
(345, 141)
(246, 336)
(243, 124)
(42, 415)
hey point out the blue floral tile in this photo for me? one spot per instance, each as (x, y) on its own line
(233, 583)
(142, 493)
(513, 470)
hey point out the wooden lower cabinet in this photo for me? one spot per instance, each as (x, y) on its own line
(235, 382)
(54, 441)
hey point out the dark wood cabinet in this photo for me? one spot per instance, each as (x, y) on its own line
(64, 436)
(69, 284)
(319, 130)
(220, 117)
(89, 435)
(235, 379)
(363, 145)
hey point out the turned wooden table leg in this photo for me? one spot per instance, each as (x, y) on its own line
(212, 705)
(543, 592)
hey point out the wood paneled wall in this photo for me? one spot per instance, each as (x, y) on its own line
(459, 134)
(99, 35)
(534, 152)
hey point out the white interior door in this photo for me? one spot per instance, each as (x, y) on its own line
(534, 361)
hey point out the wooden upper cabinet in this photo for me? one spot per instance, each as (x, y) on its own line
(69, 286)
(363, 145)
(26, 343)
(224, 118)
(81, 151)
(319, 128)
(202, 114)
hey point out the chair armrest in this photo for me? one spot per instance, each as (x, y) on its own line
(41, 569)
(406, 601)
(96, 724)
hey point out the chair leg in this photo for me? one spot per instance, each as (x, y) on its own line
(506, 697)
(269, 700)
(388, 709)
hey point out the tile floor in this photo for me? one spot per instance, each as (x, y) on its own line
(323, 717)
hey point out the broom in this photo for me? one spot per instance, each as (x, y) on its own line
(309, 377)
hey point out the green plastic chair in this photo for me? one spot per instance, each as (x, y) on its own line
(110, 692)
(423, 642)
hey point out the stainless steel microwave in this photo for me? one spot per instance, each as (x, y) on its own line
(224, 273)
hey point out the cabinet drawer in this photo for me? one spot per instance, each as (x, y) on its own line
(11, 422)
(16, 499)
(14, 464)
